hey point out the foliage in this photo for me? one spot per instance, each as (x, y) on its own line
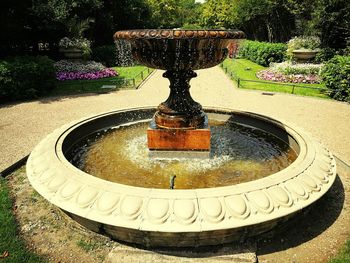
(9, 240)
(325, 54)
(77, 27)
(336, 76)
(118, 15)
(218, 14)
(26, 77)
(262, 53)
(165, 13)
(299, 68)
(266, 20)
(302, 42)
(81, 43)
(26, 25)
(105, 54)
(331, 19)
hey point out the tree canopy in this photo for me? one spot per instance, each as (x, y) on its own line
(27, 24)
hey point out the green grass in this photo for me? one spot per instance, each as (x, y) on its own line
(246, 70)
(122, 81)
(88, 245)
(9, 239)
(344, 255)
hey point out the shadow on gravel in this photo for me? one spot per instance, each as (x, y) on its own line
(51, 99)
(309, 224)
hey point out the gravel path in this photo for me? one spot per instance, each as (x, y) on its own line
(23, 125)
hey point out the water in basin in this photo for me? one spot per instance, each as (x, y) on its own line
(238, 154)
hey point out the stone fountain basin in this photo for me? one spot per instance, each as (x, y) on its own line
(180, 218)
(179, 49)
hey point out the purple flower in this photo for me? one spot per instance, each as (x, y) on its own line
(62, 75)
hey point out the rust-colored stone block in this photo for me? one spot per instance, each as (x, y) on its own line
(178, 139)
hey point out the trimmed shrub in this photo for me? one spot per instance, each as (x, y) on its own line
(262, 53)
(325, 54)
(26, 77)
(336, 76)
(105, 54)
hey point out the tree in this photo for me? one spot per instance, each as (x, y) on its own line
(331, 19)
(219, 14)
(119, 15)
(165, 13)
(260, 19)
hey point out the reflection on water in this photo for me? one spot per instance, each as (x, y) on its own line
(238, 154)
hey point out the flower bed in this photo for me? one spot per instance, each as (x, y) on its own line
(294, 73)
(68, 70)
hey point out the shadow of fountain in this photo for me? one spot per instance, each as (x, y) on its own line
(309, 224)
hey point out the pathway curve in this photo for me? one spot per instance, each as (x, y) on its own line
(23, 125)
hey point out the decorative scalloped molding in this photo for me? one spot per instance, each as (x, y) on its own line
(172, 211)
(178, 34)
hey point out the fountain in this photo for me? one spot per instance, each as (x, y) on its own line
(250, 174)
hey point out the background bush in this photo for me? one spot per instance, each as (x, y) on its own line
(336, 76)
(325, 54)
(26, 77)
(105, 54)
(262, 53)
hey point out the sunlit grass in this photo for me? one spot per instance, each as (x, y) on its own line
(246, 70)
(10, 242)
(128, 77)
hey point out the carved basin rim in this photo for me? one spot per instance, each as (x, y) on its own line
(178, 34)
(199, 211)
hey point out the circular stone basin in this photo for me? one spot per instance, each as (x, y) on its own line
(178, 218)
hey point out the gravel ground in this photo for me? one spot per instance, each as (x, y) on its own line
(23, 125)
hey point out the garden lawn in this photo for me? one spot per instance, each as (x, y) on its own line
(10, 242)
(244, 69)
(343, 256)
(124, 80)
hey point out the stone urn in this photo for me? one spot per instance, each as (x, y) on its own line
(72, 52)
(179, 52)
(304, 55)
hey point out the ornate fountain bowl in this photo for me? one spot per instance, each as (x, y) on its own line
(179, 49)
(179, 52)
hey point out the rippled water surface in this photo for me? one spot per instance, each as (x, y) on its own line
(238, 154)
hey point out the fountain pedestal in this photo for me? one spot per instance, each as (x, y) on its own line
(180, 123)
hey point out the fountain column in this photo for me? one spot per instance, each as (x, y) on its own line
(179, 127)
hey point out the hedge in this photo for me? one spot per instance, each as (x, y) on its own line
(26, 77)
(336, 77)
(105, 54)
(262, 53)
